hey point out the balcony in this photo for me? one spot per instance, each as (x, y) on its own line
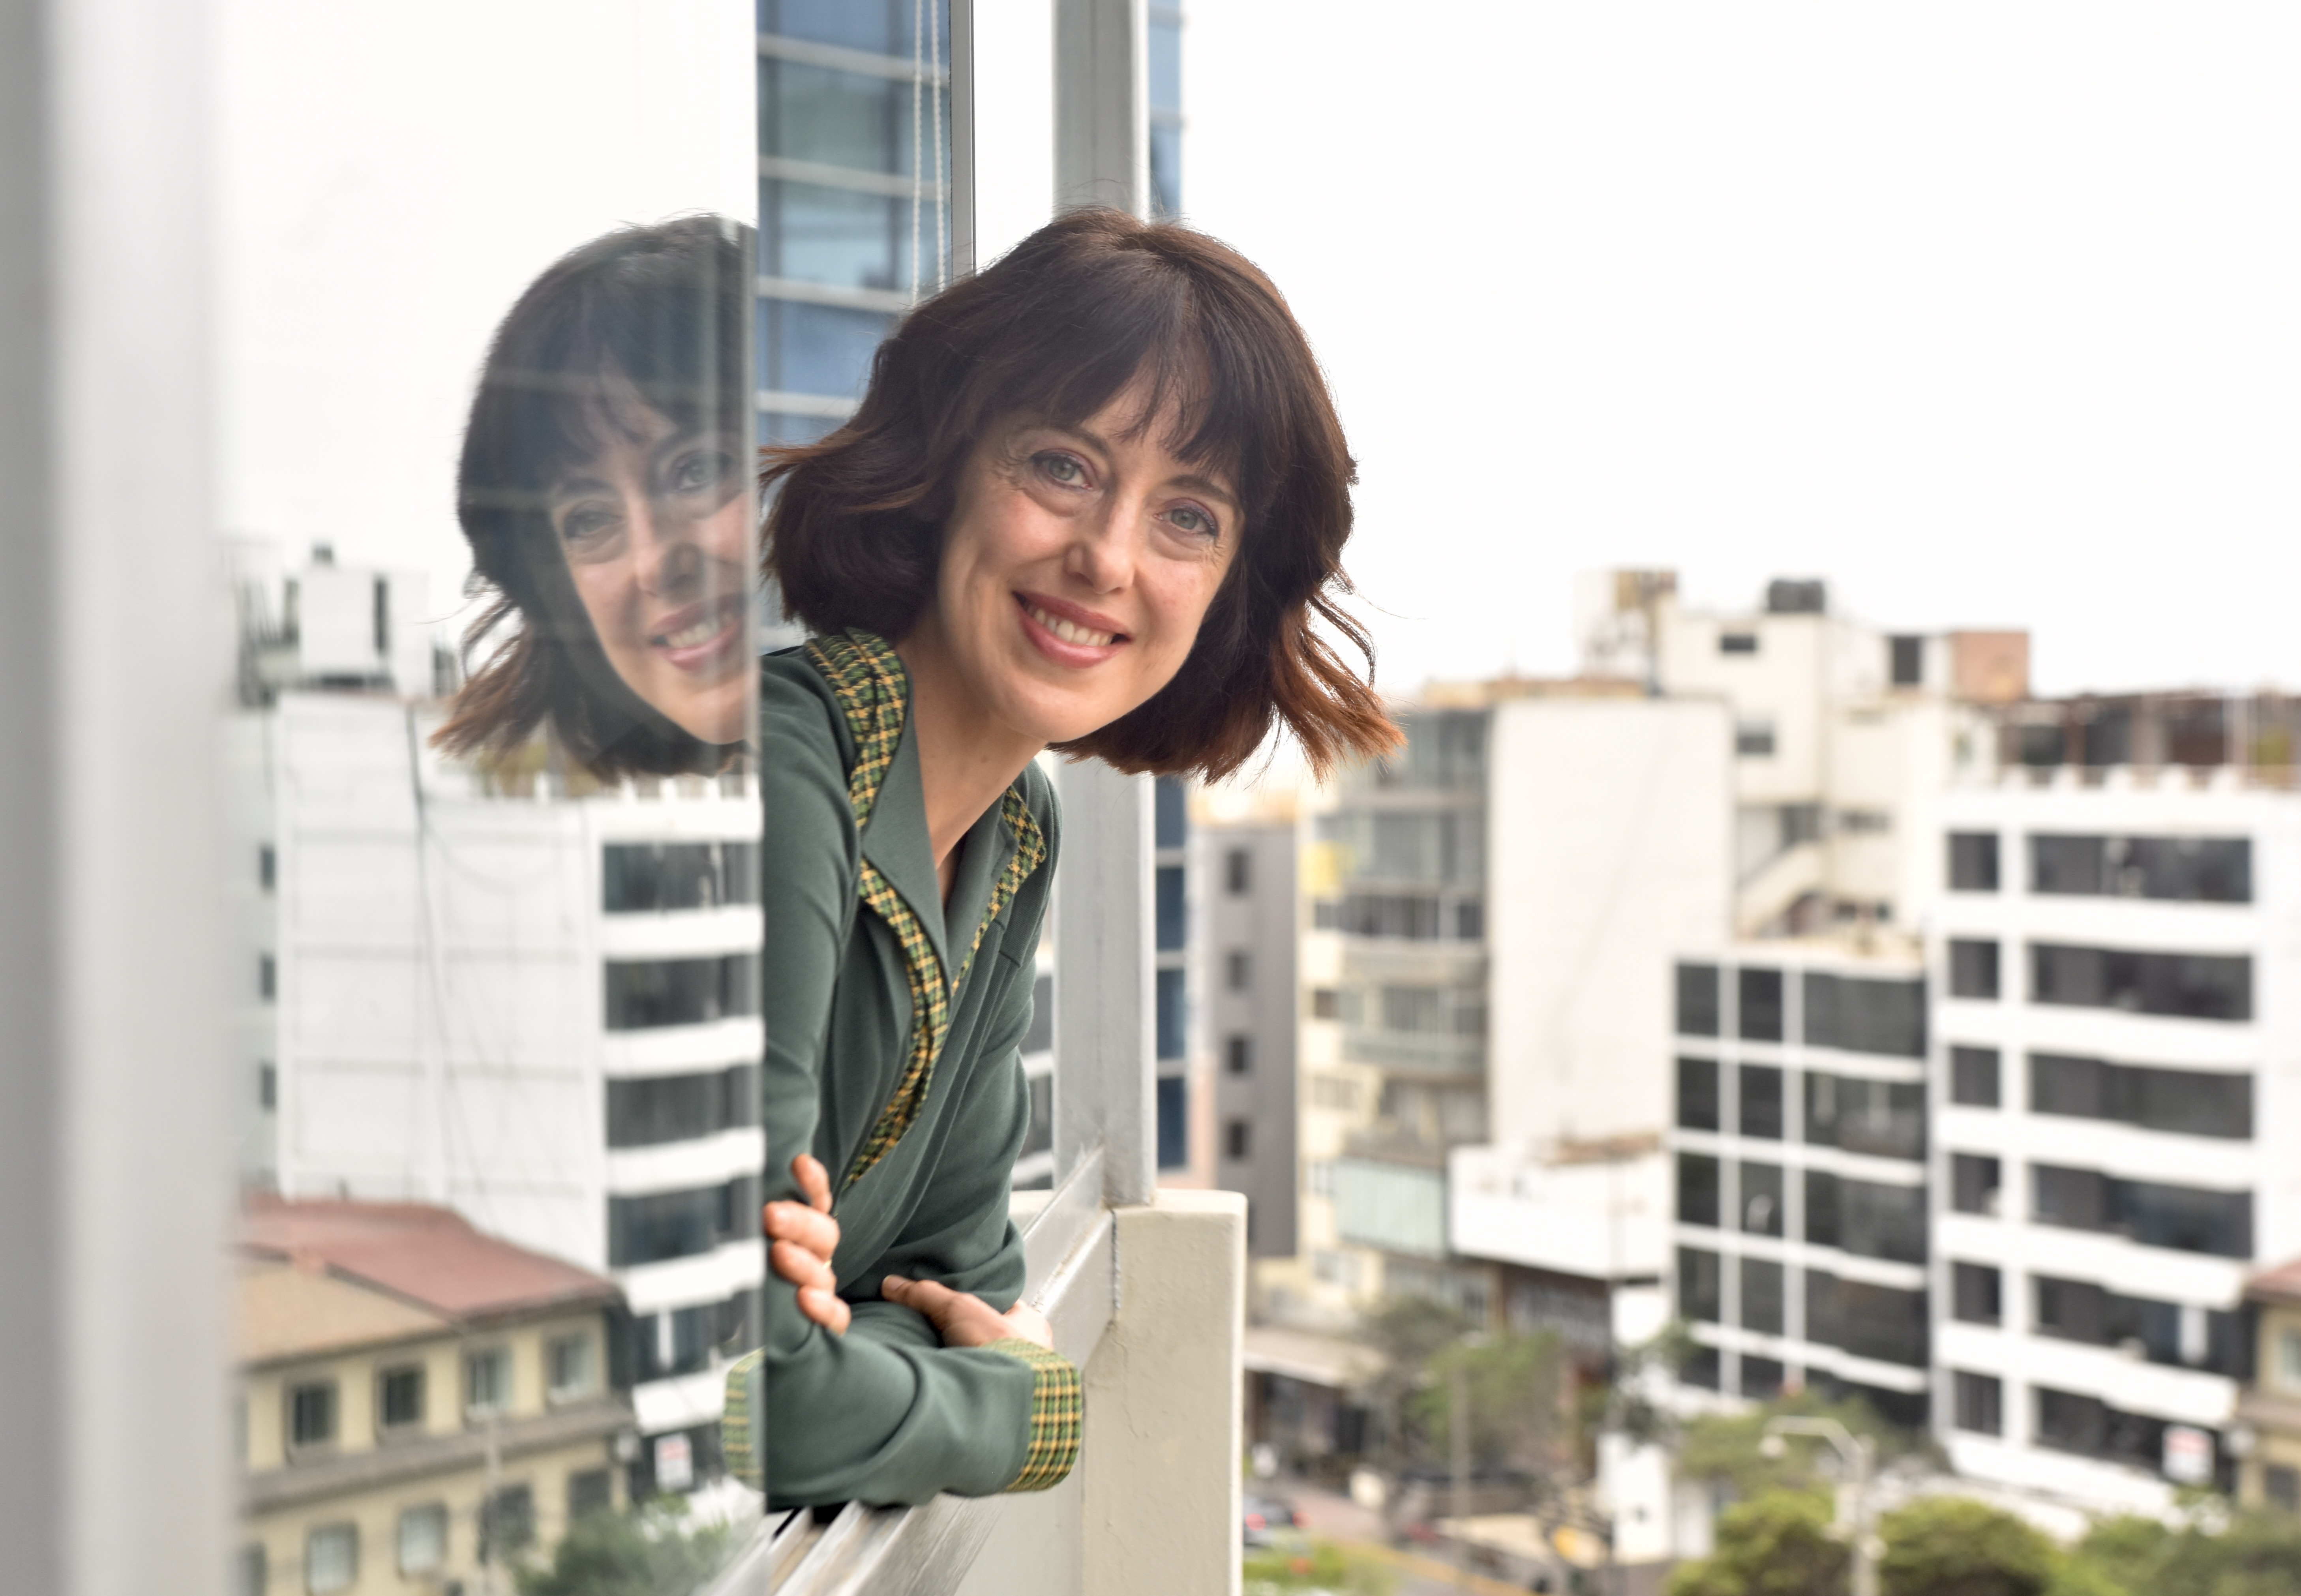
(1145, 1289)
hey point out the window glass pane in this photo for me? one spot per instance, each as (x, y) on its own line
(1973, 1076)
(1974, 862)
(818, 348)
(1760, 996)
(1697, 1000)
(842, 237)
(1697, 1189)
(1761, 1110)
(1697, 1094)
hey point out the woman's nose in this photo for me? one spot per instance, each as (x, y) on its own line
(1104, 553)
(664, 542)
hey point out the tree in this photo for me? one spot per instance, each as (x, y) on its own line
(1778, 1544)
(1513, 1386)
(645, 1551)
(1955, 1546)
(1728, 1450)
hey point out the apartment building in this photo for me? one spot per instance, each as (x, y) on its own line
(1800, 1245)
(2268, 1437)
(2119, 1133)
(419, 1404)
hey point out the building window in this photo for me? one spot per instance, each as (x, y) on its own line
(1973, 861)
(1326, 1003)
(1980, 1401)
(1238, 1138)
(1173, 912)
(645, 994)
(2192, 1102)
(588, 1490)
(1869, 1321)
(643, 877)
(1697, 1094)
(2288, 1358)
(252, 1570)
(1886, 1119)
(2181, 985)
(1238, 969)
(267, 977)
(1238, 1055)
(267, 867)
(399, 1398)
(1973, 1183)
(331, 1558)
(1867, 1218)
(1697, 1000)
(1977, 1293)
(422, 1538)
(2155, 1214)
(1174, 1122)
(1697, 1189)
(674, 1342)
(1760, 995)
(1761, 1110)
(1173, 1016)
(1697, 1284)
(486, 1381)
(506, 1523)
(1761, 1199)
(671, 1224)
(1701, 1368)
(2175, 869)
(568, 1358)
(1762, 1297)
(312, 1415)
(652, 1109)
(1737, 643)
(267, 1086)
(1906, 661)
(1170, 813)
(1973, 1077)
(1238, 872)
(1761, 1377)
(1972, 968)
(1857, 1014)
(1754, 737)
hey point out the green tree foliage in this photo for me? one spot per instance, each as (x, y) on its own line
(1313, 1565)
(1777, 1544)
(648, 1552)
(2213, 1554)
(1726, 1449)
(1514, 1390)
(1955, 1546)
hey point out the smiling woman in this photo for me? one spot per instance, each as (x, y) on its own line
(608, 508)
(1094, 499)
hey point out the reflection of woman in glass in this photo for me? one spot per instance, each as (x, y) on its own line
(1095, 500)
(604, 491)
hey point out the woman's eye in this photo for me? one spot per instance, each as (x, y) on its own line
(586, 524)
(1065, 469)
(1190, 518)
(694, 473)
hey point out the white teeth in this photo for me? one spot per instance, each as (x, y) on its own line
(689, 637)
(1070, 632)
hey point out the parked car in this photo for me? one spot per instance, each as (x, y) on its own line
(1264, 1519)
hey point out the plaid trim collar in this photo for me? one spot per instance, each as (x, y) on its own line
(868, 678)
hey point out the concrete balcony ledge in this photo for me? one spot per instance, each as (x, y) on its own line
(1150, 1301)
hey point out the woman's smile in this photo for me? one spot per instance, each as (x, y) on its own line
(1066, 634)
(698, 637)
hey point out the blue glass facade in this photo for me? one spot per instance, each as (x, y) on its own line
(854, 175)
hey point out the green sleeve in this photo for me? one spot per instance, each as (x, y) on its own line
(885, 1413)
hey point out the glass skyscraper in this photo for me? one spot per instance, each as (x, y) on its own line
(855, 159)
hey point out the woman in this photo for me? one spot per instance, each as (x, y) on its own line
(605, 496)
(1094, 500)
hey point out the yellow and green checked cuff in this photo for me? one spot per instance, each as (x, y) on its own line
(746, 1378)
(1056, 1408)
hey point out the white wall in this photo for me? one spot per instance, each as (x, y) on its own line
(1610, 850)
(387, 179)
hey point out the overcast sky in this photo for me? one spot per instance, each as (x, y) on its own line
(1990, 315)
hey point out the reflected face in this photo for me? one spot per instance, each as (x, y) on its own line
(657, 531)
(1076, 567)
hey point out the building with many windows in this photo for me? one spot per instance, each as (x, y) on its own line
(420, 1405)
(2119, 1138)
(510, 990)
(1799, 1153)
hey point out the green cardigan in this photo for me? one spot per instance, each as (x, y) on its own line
(893, 1054)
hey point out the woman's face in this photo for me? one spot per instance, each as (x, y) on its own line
(657, 534)
(1076, 567)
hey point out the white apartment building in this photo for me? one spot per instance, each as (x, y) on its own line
(1798, 1144)
(2118, 1095)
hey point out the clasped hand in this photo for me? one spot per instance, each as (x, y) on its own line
(802, 1237)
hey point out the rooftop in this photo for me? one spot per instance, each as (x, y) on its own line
(2278, 1284)
(344, 1273)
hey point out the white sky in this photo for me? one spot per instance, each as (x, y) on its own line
(1989, 313)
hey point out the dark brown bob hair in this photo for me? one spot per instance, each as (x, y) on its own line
(645, 316)
(1053, 331)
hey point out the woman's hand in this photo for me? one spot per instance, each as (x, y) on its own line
(964, 1320)
(801, 1238)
